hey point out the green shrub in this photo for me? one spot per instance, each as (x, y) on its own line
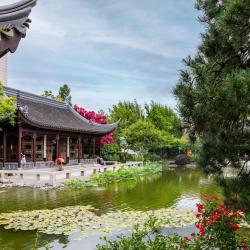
(110, 176)
(152, 157)
(76, 184)
(217, 230)
(148, 237)
(124, 174)
(111, 152)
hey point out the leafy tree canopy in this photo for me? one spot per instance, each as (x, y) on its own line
(214, 89)
(163, 117)
(7, 108)
(49, 94)
(153, 128)
(63, 94)
(143, 135)
(127, 113)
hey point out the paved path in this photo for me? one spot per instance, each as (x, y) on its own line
(52, 177)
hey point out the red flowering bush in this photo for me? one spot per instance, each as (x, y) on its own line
(218, 225)
(59, 163)
(96, 119)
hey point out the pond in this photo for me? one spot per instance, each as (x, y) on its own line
(180, 188)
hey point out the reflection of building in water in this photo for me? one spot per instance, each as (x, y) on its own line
(4, 70)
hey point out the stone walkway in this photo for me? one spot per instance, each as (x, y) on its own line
(52, 177)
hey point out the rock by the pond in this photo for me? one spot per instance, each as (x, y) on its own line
(182, 160)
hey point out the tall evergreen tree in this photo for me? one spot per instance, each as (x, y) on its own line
(214, 89)
(64, 93)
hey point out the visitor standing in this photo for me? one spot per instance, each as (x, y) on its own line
(99, 160)
(23, 160)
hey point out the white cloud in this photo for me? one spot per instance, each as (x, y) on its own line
(105, 50)
(7, 2)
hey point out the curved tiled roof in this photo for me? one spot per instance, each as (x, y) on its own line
(50, 114)
(14, 20)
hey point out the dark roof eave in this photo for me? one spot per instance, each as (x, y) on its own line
(31, 123)
(45, 113)
(14, 21)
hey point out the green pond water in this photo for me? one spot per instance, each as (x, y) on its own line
(180, 188)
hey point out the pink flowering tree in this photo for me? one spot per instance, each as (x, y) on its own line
(96, 119)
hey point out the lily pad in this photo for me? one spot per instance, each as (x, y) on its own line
(83, 219)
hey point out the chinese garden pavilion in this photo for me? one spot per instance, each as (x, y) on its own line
(46, 129)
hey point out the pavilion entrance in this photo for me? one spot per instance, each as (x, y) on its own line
(41, 148)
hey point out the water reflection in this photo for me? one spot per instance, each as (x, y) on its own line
(181, 188)
(187, 202)
(75, 242)
(23, 240)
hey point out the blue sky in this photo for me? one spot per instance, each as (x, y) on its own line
(106, 50)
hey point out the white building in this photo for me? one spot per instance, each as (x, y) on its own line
(4, 70)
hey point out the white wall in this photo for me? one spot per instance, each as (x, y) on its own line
(4, 70)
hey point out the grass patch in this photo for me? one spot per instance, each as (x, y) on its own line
(124, 174)
(110, 176)
(77, 184)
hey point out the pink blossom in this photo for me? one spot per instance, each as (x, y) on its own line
(96, 119)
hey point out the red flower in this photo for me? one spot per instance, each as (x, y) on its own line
(197, 215)
(59, 161)
(215, 218)
(235, 227)
(201, 228)
(187, 238)
(96, 119)
(200, 207)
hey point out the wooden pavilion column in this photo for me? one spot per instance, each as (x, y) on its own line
(82, 147)
(57, 146)
(100, 146)
(34, 148)
(67, 153)
(19, 150)
(79, 147)
(4, 148)
(94, 146)
(45, 148)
